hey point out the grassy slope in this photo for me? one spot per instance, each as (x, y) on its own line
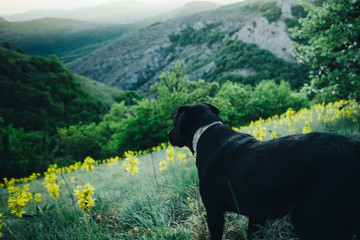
(158, 205)
(98, 90)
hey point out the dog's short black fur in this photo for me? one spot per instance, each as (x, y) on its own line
(313, 177)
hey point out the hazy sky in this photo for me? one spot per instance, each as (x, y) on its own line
(16, 6)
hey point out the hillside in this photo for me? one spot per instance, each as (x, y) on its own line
(39, 94)
(104, 93)
(245, 42)
(67, 38)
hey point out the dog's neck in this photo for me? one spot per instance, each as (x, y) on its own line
(198, 134)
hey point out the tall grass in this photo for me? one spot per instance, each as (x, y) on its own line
(155, 204)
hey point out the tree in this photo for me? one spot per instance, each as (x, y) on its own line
(329, 37)
(6, 45)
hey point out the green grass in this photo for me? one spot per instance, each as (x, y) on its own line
(152, 204)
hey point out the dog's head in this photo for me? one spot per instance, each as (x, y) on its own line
(188, 120)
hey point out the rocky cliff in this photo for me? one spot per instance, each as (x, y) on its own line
(136, 61)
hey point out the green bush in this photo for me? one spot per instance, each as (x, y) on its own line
(239, 104)
(270, 11)
(22, 153)
(191, 36)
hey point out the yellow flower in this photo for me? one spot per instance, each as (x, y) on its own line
(89, 163)
(182, 157)
(73, 179)
(62, 182)
(50, 182)
(83, 194)
(162, 165)
(273, 134)
(12, 189)
(130, 162)
(1, 223)
(170, 154)
(18, 200)
(37, 197)
(320, 117)
(110, 166)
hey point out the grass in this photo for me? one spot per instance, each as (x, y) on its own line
(154, 204)
(98, 90)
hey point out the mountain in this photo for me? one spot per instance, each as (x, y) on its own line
(36, 14)
(69, 39)
(245, 42)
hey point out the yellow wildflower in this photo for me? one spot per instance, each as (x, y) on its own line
(18, 200)
(1, 223)
(88, 164)
(162, 165)
(130, 162)
(37, 197)
(83, 194)
(170, 154)
(50, 182)
(273, 134)
(320, 117)
(182, 157)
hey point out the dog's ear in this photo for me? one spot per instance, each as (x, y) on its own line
(181, 109)
(176, 135)
(213, 108)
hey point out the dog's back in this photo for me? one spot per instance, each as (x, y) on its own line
(315, 177)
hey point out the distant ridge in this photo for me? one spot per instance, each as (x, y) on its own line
(113, 12)
(188, 9)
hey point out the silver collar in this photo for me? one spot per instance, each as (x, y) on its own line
(199, 132)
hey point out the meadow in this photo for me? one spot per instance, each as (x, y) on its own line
(150, 194)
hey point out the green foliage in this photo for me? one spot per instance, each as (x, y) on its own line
(204, 35)
(22, 152)
(129, 97)
(146, 123)
(262, 64)
(138, 126)
(330, 34)
(270, 11)
(240, 104)
(6, 45)
(37, 96)
(298, 11)
(40, 94)
(76, 142)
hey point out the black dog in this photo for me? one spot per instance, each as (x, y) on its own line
(313, 177)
